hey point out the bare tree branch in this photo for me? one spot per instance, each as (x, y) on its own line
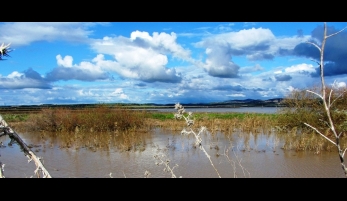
(314, 45)
(315, 60)
(320, 133)
(336, 32)
(315, 94)
(343, 154)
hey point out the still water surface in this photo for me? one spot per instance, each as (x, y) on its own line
(251, 156)
(223, 110)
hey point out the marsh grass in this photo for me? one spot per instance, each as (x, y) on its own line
(98, 119)
(123, 141)
(104, 127)
(11, 118)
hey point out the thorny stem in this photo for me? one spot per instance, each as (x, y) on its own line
(164, 162)
(180, 113)
(232, 162)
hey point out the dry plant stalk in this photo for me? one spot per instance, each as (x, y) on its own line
(2, 170)
(198, 141)
(163, 160)
(4, 50)
(40, 169)
(233, 162)
(327, 101)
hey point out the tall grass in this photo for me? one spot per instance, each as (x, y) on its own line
(98, 119)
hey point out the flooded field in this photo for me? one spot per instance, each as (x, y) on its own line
(240, 155)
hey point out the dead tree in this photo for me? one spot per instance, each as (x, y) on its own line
(327, 102)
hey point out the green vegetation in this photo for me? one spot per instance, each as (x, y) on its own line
(15, 117)
(305, 107)
(211, 115)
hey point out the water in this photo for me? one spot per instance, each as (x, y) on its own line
(268, 110)
(251, 156)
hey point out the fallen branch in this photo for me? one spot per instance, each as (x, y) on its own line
(6, 130)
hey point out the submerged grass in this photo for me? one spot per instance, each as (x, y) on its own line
(105, 127)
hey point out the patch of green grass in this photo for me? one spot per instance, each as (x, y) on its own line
(208, 115)
(15, 117)
(161, 115)
(235, 115)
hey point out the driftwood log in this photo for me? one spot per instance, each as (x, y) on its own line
(5, 129)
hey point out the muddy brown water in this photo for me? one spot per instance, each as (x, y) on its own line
(249, 157)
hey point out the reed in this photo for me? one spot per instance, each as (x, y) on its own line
(98, 119)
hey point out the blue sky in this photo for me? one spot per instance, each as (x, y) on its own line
(164, 62)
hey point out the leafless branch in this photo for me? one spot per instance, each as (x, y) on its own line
(314, 45)
(336, 32)
(315, 93)
(320, 133)
(343, 154)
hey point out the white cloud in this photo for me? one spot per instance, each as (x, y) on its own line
(250, 69)
(118, 91)
(237, 95)
(339, 85)
(290, 88)
(300, 68)
(86, 71)
(24, 33)
(254, 43)
(15, 74)
(66, 62)
(141, 56)
(162, 42)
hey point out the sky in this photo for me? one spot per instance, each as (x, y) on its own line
(165, 62)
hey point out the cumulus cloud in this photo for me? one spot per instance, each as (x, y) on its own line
(24, 33)
(119, 93)
(85, 71)
(255, 68)
(255, 44)
(300, 68)
(162, 42)
(141, 56)
(229, 87)
(339, 85)
(28, 79)
(282, 77)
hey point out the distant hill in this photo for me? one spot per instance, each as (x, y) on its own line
(276, 102)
